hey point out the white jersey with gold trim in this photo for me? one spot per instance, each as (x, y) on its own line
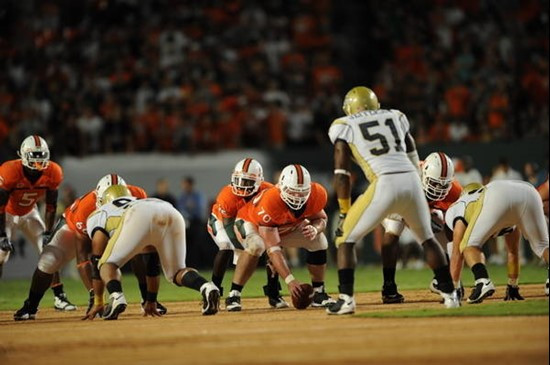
(376, 139)
(108, 216)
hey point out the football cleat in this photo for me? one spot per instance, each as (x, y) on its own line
(451, 300)
(117, 304)
(390, 295)
(321, 299)
(61, 303)
(512, 293)
(25, 313)
(160, 308)
(344, 305)
(233, 301)
(277, 302)
(210, 299)
(483, 288)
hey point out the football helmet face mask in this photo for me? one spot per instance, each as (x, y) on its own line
(34, 153)
(295, 186)
(104, 183)
(247, 177)
(358, 99)
(114, 192)
(437, 176)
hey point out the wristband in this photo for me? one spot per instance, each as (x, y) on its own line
(98, 300)
(342, 172)
(344, 204)
(151, 297)
(289, 279)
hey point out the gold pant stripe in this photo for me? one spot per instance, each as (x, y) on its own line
(356, 211)
(472, 221)
(111, 244)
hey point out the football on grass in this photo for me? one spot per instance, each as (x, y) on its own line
(305, 299)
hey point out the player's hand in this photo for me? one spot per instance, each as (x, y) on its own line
(5, 244)
(46, 238)
(295, 289)
(95, 311)
(512, 293)
(150, 309)
(309, 232)
(340, 229)
(437, 220)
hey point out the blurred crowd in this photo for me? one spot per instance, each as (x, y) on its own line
(104, 76)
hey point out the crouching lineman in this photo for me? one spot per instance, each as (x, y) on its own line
(483, 212)
(124, 227)
(247, 180)
(291, 214)
(70, 239)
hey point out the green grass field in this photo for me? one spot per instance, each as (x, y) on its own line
(367, 279)
(536, 307)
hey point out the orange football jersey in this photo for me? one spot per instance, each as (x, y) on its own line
(23, 193)
(78, 212)
(228, 204)
(453, 196)
(268, 209)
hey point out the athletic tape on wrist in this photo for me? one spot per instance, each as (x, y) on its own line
(289, 279)
(342, 172)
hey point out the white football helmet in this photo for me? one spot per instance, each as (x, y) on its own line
(103, 184)
(295, 186)
(437, 176)
(247, 177)
(34, 153)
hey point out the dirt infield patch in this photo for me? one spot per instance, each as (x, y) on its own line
(259, 335)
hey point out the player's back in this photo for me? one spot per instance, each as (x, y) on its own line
(376, 139)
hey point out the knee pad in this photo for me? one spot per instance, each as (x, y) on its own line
(254, 245)
(50, 260)
(316, 257)
(152, 264)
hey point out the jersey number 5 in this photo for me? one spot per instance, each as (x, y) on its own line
(380, 137)
(28, 199)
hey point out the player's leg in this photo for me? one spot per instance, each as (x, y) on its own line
(414, 210)
(254, 247)
(220, 234)
(55, 255)
(172, 250)
(146, 268)
(513, 240)
(393, 226)
(534, 227)
(5, 254)
(33, 228)
(272, 289)
(364, 215)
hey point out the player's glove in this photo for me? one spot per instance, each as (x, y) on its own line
(46, 238)
(340, 229)
(5, 244)
(512, 293)
(437, 220)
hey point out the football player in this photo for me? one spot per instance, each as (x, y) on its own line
(125, 226)
(378, 140)
(441, 190)
(500, 207)
(290, 214)
(22, 183)
(247, 180)
(69, 238)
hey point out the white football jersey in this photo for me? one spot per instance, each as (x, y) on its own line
(108, 216)
(376, 139)
(464, 207)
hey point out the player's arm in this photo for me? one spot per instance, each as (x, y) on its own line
(412, 153)
(271, 238)
(317, 224)
(342, 175)
(83, 259)
(512, 243)
(457, 260)
(5, 244)
(49, 218)
(99, 243)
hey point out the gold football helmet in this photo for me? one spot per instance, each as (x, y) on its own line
(114, 192)
(358, 99)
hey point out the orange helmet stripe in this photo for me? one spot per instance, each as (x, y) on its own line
(443, 165)
(246, 164)
(114, 179)
(300, 174)
(36, 141)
